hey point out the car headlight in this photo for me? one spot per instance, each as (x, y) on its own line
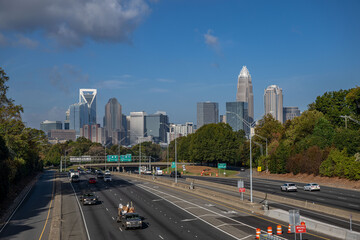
(94, 199)
(128, 223)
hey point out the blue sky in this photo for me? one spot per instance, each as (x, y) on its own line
(169, 55)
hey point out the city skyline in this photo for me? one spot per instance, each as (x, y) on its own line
(167, 56)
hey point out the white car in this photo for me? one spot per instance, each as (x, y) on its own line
(107, 178)
(289, 187)
(159, 172)
(312, 187)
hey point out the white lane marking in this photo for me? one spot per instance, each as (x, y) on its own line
(156, 200)
(190, 219)
(107, 209)
(353, 205)
(161, 237)
(120, 229)
(213, 212)
(82, 213)
(209, 205)
(246, 237)
(113, 218)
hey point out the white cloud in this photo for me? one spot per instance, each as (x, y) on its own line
(26, 42)
(71, 22)
(212, 41)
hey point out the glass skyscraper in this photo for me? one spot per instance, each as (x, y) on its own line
(235, 111)
(273, 102)
(79, 116)
(88, 96)
(207, 112)
(156, 125)
(245, 91)
(113, 120)
(47, 125)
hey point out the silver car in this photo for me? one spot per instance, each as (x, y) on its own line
(312, 187)
(289, 187)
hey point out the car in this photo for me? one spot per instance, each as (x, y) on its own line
(159, 172)
(147, 172)
(89, 199)
(75, 178)
(289, 187)
(172, 174)
(100, 175)
(131, 220)
(242, 169)
(88, 170)
(92, 180)
(312, 187)
(107, 178)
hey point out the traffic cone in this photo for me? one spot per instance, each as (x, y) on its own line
(201, 173)
(289, 229)
(258, 232)
(278, 230)
(217, 174)
(302, 223)
(269, 230)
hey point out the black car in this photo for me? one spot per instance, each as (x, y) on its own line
(100, 175)
(172, 174)
(89, 198)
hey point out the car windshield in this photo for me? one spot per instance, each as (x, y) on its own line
(292, 185)
(88, 195)
(75, 176)
(132, 216)
(91, 179)
(314, 184)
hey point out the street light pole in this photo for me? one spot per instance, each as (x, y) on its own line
(249, 126)
(175, 158)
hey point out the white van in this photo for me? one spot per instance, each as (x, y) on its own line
(159, 172)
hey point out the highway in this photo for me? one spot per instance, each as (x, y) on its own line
(168, 213)
(32, 218)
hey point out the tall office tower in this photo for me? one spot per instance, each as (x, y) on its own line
(245, 91)
(207, 112)
(290, 113)
(79, 116)
(273, 102)
(113, 121)
(94, 133)
(125, 136)
(88, 96)
(179, 130)
(223, 118)
(67, 120)
(236, 112)
(47, 125)
(156, 125)
(137, 126)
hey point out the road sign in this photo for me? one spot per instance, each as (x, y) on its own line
(300, 229)
(125, 158)
(112, 158)
(222, 165)
(173, 165)
(241, 189)
(259, 169)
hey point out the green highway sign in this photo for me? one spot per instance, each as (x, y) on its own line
(222, 165)
(125, 158)
(112, 158)
(173, 165)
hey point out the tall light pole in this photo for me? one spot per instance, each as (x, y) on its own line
(175, 151)
(140, 152)
(249, 125)
(119, 142)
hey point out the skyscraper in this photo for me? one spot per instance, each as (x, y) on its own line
(88, 96)
(207, 112)
(113, 120)
(245, 91)
(47, 125)
(137, 126)
(79, 116)
(290, 113)
(156, 125)
(273, 102)
(235, 113)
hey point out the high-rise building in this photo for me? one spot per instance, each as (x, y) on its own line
(88, 96)
(290, 113)
(125, 134)
(156, 125)
(236, 112)
(47, 125)
(67, 120)
(273, 102)
(137, 126)
(79, 116)
(179, 130)
(245, 91)
(223, 118)
(113, 121)
(207, 112)
(62, 135)
(94, 133)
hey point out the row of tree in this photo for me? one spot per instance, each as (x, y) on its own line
(21, 147)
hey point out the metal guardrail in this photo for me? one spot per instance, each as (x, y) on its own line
(270, 237)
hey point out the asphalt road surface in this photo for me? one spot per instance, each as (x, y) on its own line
(32, 219)
(168, 213)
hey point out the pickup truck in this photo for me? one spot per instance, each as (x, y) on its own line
(128, 217)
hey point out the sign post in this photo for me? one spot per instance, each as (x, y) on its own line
(173, 165)
(222, 166)
(240, 185)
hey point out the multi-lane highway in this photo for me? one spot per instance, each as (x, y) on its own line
(168, 213)
(32, 218)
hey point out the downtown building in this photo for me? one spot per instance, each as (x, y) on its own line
(47, 125)
(157, 126)
(179, 130)
(207, 112)
(137, 127)
(94, 133)
(114, 131)
(289, 113)
(273, 102)
(243, 109)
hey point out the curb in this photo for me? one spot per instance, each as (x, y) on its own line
(55, 228)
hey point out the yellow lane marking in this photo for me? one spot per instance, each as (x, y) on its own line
(52, 197)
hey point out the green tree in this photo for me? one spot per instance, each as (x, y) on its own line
(353, 100)
(347, 139)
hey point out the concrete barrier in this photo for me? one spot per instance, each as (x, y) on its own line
(55, 227)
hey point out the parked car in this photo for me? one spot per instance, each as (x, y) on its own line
(172, 174)
(89, 199)
(92, 180)
(289, 187)
(312, 187)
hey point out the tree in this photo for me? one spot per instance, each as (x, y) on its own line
(353, 100)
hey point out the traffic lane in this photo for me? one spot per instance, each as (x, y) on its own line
(161, 221)
(226, 217)
(98, 222)
(32, 219)
(72, 226)
(323, 197)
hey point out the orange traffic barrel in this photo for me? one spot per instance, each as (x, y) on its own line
(289, 229)
(269, 231)
(258, 232)
(302, 223)
(278, 230)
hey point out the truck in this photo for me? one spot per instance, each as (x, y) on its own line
(127, 217)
